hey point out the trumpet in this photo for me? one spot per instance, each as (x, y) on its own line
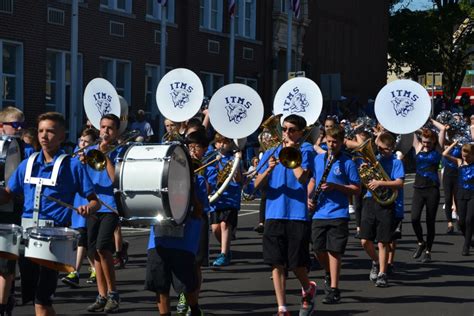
(97, 160)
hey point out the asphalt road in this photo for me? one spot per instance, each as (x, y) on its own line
(443, 287)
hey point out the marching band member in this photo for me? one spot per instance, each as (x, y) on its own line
(11, 124)
(197, 144)
(78, 222)
(172, 260)
(287, 228)
(335, 174)
(426, 187)
(378, 221)
(100, 228)
(223, 215)
(450, 184)
(321, 146)
(465, 194)
(38, 282)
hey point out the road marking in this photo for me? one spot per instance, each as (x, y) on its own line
(248, 212)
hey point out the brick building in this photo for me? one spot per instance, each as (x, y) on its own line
(120, 41)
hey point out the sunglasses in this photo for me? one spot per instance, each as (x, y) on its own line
(15, 124)
(289, 129)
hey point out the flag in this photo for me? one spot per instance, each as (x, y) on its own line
(162, 2)
(295, 6)
(231, 8)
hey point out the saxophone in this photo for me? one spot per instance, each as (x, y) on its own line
(317, 192)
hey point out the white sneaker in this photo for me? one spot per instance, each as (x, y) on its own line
(351, 209)
(444, 206)
(454, 215)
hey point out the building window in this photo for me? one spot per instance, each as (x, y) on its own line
(117, 29)
(118, 73)
(213, 46)
(283, 6)
(210, 16)
(153, 10)
(245, 18)
(6, 6)
(11, 74)
(58, 81)
(55, 16)
(247, 53)
(119, 5)
(211, 82)
(158, 37)
(152, 75)
(247, 81)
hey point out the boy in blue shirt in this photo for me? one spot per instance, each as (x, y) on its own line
(100, 228)
(35, 176)
(287, 227)
(378, 221)
(330, 228)
(173, 261)
(224, 211)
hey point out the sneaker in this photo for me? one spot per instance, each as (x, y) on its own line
(465, 252)
(426, 258)
(352, 209)
(98, 305)
(92, 278)
(419, 250)
(307, 300)
(124, 253)
(182, 306)
(72, 279)
(382, 280)
(221, 260)
(259, 228)
(327, 283)
(188, 313)
(112, 305)
(374, 272)
(333, 297)
(454, 215)
(450, 230)
(119, 260)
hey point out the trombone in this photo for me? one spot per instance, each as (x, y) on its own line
(97, 160)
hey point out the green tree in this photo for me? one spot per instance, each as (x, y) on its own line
(423, 40)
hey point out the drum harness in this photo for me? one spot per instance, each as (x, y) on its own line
(40, 182)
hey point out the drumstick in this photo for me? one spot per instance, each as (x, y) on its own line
(108, 206)
(64, 204)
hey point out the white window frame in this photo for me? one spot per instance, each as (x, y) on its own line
(205, 21)
(209, 88)
(247, 81)
(112, 77)
(242, 30)
(18, 101)
(62, 84)
(112, 5)
(170, 11)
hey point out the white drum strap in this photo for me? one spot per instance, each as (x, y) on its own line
(39, 182)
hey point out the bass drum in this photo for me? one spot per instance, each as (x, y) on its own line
(10, 158)
(155, 182)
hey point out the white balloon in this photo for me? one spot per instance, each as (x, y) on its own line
(100, 98)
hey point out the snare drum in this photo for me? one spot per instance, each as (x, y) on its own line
(154, 181)
(10, 158)
(10, 237)
(52, 247)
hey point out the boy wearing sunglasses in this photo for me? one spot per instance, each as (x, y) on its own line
(287, 226)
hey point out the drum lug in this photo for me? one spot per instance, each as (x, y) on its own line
(164, 190)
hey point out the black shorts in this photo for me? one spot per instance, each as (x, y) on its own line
(226, 215)
(7, 267)
(100, 232)
(330, 235)
(286, 243)
(166, 266)
(82, 242)
(38, 283)
(202, 256)
(377, 221)
(397, 229)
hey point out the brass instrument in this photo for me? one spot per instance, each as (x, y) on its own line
(97, 160)
(172, 136)
(224, 172)
(76, 153)
(372, 170)
(291, 157)
(271, 133)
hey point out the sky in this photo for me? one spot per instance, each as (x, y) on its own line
(420, 4)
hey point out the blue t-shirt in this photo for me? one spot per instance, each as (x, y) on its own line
(231, 197)
(72, 178)
(103, 185)
(334, 204)
(394, 169)
(192, 229)
(201, 192)
(28, 150)
(286, 197)
(466, 177)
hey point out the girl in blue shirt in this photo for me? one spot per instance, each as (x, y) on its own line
(465, 194)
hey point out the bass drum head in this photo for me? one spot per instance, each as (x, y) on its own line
(179, 184)
(10, 158)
